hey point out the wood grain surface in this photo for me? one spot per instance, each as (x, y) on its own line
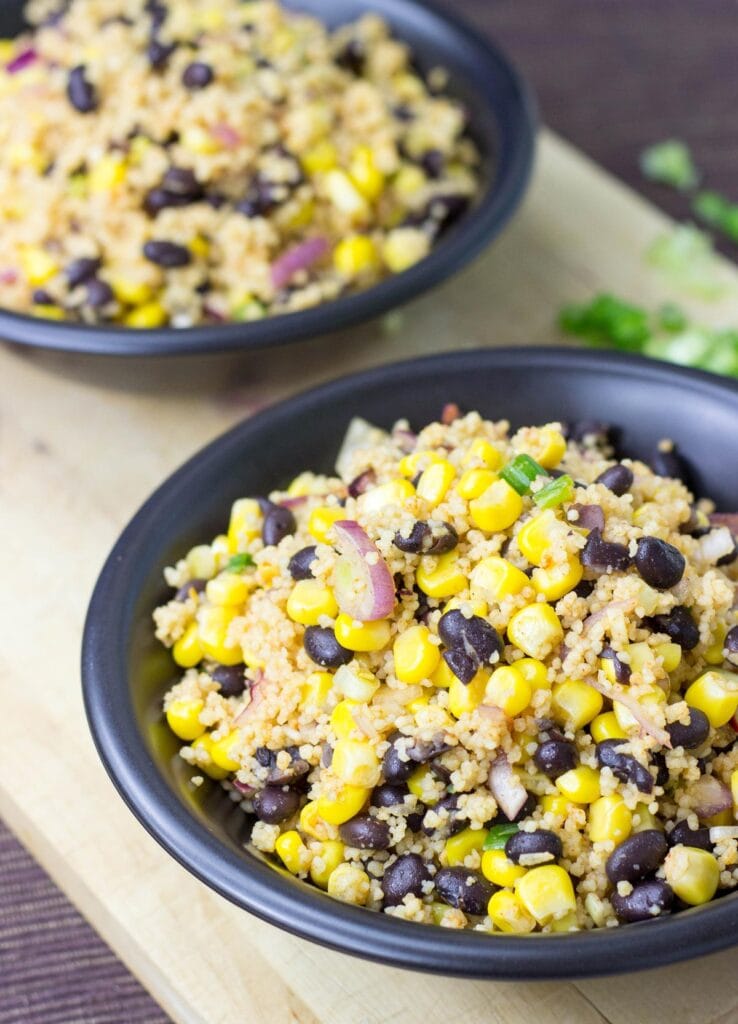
(82, 444)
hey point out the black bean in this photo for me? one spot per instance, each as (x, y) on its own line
(81, 270)
(683, 835)
(352, 56)
(600, 555)
(403, 113)
(432, 538)
(467, 890)
(184, 591)
(159, 53)
(41, 297)
(230, 678)
(731, 555)
(197, 75)
(678, 625)
(438, 214)
(584, 588)
(414, 821)
(660, 564)
(274, 804)
(279, 522)
(462, 665)
(433, 163)
(668, 462)
(321, 645)
(157, 199)
(404, 877)
(394, 769)
(554, 757)
(590, 431)
(474, 636)
(521, 844)
(624, 766)
(692, 735)
(637, 857)
(388, 795)
(452, 824)
(621, 670)
(265, 757)
(167, 254)
(646, 901)
(293, 772)
(326, 755)
(618, 479)
(525, 812)
(658, 761)
(731, 641)
(80, 91)
(299, 564)
(98, 293)
(158, 12)
(365, 833)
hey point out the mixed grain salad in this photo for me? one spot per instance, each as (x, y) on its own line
(194, 162)
(478, 678)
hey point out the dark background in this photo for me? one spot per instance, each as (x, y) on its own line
(612, 76)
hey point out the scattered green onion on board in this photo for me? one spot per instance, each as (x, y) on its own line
(520, 473)
(670, 163)
(498, 835)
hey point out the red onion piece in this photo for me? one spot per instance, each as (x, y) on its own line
(299, 257)
(506, 787)
(213, 313)
(256, 692)
(591, 517)
(23, 60)
(8, 276)
(710, 796)
(225, 135)
(449, 413)
(595, 617)
(729, 519)
(364, 587)
(243, 788)
(405, 439)
(361, 483)
(621, 694)
(294, 502)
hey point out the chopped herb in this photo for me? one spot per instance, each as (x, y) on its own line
(672, 317)
(717, 212)
(498, 835)
(521, 472)
(555, 493)
(240, 562)
(607, 320)
(670, 163)
(687, 258)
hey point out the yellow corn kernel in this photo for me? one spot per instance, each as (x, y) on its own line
(404, 247)
(37, 265)
(148, 316)
(396, 492)
(47, 311)
(250, 660)
(356, 255)
(221, 549)
(462, 700)
(201, 562)
(546, 892)
(77, 186)
(536, 536)
(25, 154)
(557, 580)
(222, 752)
(714, 653)
(362, 636)
(313, 825)
(356, 763)
(7, 49)
(444, 579)
(509, 914)
(575, 703)
(325, 861)
(548, 448)
(355, 684)
(606, 727)
(130, 289)
(654, 699)
(508, 690)
(183, 718)
(138, 148)
(476, 607)
(495, 578)
(644, 819)
(721, 818)
(346, 804)
(416, 656)
(497, 508)
(716, 693)
(365, 174)
(293, 853)
(349, 883)
(208, 766)
(693, 874)
(316, 691)
(580, 784)
(498, 869)
(321, 157)
(321, 521)
(474, 482)
(213, 623)
(245, 522)
(435, 481)
(198, 140)
(534, 672)
(609, 818)
(210, 20)
(443, 677)
(107, 174)
(228, 589)
(187, 651)
(310, 601)
(342, 719)
(535, 630)
(567, 923)
(345, 196)
(410, 465)
(734, 790)
(418, 782)
(417, 703)
(458, 847)
(482, 450)
(555, 803)
(408, 181)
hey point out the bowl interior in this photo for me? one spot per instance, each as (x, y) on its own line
(126, 671)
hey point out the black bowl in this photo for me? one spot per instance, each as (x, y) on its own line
(501, 122)
(125, 672)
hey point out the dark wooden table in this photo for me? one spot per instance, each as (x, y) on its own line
(612, 76)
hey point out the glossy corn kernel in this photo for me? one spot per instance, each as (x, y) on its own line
(346, 804)
(693, 874)
(37, 265)
(208, 766)
(581, 785)
(343, 723)
(476, 607)
(420, 784)
(498, 869)
(443, 677)
(462, 700)
(311, 823)
(183, 718)
(575, 703)
(316, 691)
(546, 892)
(131, 290)
(365, 174)
(222, 752)
(671, 656)
(325, 861)
(362, 636)
(321, 157)
(716, 693)
(644, 819)
(508, 913)
(356, 255)
(483, 451)
(221, 548)
(228, 589)
(535, 630)
(457, 848)
(356, 763)
(245, 522)
(213, 624)
(310, 601)
(187, 651)
(293, 853)
(201, 562)
(497, 508)
(350, 884)
(555, 581)
(536, 536)
(474, 482)
(146, 317)
(355, 684)
(435, 481)
(606, 727)
(417, 703)
(495, 578)
(107, 174)
(416, 656)
(404, 247)
(534, 672)
(654, 700)
(508, 690)
(444, 578)
(394, 493)
(250, 660)
(345, 196)
(555, 803)
(567, 923)
(734, 791)
(198, 140)
(547, 448)
(408, 181)
(47, 311)
(609, 819)
(714, 653)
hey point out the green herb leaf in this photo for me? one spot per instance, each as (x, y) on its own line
(498, 835)
(555, 493)
(687, 258)
(520, 473)
(672, 317)
(240, 562)
(670, 163)
(607, 320)
(717, 212)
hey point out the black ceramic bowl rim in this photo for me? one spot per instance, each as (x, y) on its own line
(261, 889)
(461, 244)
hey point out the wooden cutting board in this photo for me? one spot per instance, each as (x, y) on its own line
(83, 442)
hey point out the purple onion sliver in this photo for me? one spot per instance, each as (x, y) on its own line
(299, 257)
(23, 60)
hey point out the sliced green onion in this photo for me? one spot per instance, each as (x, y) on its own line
(607, 320)
(498, 835)
(717, 212)
(670, 163)
(240, 562)
(555, 493)
(521, 472)
(687, 258)
(672, 317)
